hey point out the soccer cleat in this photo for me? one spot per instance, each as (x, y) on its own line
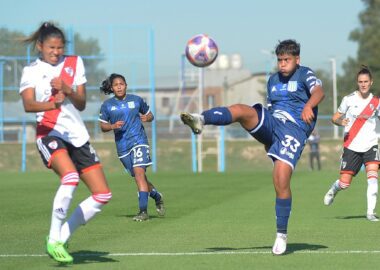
(329, 197)
(193, 120)
(160, 208)
(58, 252)
(372, 217)
(279, 246)
(141, 216)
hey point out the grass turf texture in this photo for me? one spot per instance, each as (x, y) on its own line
(214, 221)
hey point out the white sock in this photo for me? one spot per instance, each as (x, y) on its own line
(61, 205)
(336, 187)
(85, 211)
(372, 190)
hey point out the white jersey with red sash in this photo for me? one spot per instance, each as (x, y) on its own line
(360, 133)
(64, 122)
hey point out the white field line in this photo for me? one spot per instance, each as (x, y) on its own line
(96, 254)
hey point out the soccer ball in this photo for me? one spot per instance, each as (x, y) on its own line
(201, 50)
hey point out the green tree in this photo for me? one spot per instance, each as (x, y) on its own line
(326, 107)
(367, 35)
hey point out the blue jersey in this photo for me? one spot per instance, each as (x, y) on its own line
(132, 133)
(287, 96)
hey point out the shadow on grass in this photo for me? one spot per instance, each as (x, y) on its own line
(351, 217)
(87, 256)
(291, 248)
(132, 216)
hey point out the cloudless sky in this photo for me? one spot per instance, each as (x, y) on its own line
(246, 27)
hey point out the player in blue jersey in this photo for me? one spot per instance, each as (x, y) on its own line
(293, 94)
(124, 113)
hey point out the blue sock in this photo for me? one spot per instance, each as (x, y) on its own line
(283, 207)
(155, 195)
(143, 200)
(219, 116)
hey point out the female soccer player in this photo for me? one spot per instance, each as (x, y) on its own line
(293, 94)
(53, 87)
(357, 113)
(124, 113)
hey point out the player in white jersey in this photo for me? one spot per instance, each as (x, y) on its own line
(357, 113)
(53, 87)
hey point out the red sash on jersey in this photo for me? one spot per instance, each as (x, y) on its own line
(50, 117)
(359, 122)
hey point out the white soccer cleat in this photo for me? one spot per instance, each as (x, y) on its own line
(279, 246)
(329, 197)
(372, 217)
(194, 121)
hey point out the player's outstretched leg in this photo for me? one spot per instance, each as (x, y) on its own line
(333, 191)
(57, 251)
(194, 121)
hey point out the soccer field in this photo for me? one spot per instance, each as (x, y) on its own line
(213, 221)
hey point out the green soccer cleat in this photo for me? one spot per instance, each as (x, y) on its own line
(141, 216)
(194, 121)
(160, 208)
(58, 252)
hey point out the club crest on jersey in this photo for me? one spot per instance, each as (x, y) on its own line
(292, 86)
(69, 71)
(53, 145)
(131, 105)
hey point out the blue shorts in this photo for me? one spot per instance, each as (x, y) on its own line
(138, 156)
(284, 140)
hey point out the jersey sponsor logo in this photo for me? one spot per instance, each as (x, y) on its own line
(131, 105)
(53, 144)
(69, 71)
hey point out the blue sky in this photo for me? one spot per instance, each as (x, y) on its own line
(246, 27)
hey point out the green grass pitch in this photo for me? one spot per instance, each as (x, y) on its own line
(213, 221)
